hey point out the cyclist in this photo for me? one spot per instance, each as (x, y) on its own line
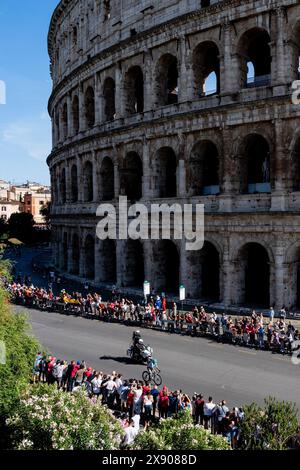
(152, 365)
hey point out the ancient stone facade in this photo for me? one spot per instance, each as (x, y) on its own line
(180, 100)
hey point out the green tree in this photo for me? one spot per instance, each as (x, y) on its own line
(270, 427)
(21, 226)
(179, 433)
(46, 212)
(18, 350)
(50, 419)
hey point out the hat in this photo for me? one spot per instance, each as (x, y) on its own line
(78, 363)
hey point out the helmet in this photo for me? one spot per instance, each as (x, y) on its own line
(141, 341)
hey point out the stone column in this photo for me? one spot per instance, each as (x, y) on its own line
(68, 183)
(148, 81)
(69, 117)
(278, 65)
(182, 82)
(229, 177)
(277, 285)
(119, 92)
(97, 261)
(82, 120)
(183, 275)
(98, 101)
(227, 273)
(227, 84)
(181, 169)
(280, 170)
(70, 253)
(146, 170)
(79, 178)
(95, 177)
(147, 245)
(120, 262)
(81, 255)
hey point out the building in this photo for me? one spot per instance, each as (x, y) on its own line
(7, 208)
(180, 100)
(34, 202)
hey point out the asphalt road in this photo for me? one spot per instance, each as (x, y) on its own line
(238, 375)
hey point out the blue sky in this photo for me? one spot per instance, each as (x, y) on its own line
(25, 131)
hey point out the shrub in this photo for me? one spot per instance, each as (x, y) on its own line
(270, 427)
(179, 433)
(51, 419)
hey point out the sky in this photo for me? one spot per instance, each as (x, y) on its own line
(25, 130)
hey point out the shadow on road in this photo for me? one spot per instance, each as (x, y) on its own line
(122, 359)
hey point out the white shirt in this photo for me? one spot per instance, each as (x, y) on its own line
(208, 408)
(110, 385)
(130, 434)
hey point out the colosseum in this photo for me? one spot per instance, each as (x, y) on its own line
(188, 101)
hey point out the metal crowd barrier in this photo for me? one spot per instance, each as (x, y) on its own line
(201, 329)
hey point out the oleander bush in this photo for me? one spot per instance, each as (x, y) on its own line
(50, 419)
(179, 433)
(271, 427)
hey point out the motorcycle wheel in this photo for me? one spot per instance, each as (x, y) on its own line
(157, 379)
(146, 376)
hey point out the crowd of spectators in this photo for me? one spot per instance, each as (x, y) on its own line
(271, 332)
(138, 404)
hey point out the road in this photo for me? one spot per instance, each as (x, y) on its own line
(238, 375)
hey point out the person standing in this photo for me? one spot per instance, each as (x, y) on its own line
(208, 409)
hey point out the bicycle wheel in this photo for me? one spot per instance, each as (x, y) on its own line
(146, 376)
(157, 379)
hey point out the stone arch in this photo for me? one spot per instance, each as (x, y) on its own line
(107, 187)
(134, 90)
(75, 114)
(292, 265)
(74, 183)
(254, 164)
(253, 274)
(107, 269)
(203, 172)
(134, 273)
(167, 266)
(131, 176)
(204, 272)
(254, 58)
(89, 257)
(166, 82)
(88, 182)
(65, 123)
(65, 252)
(206, 69)
(164, 170)
(89, 104)
(63, 186)
(75, 255)
(109, 95)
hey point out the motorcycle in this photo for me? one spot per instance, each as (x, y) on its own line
(140, 356)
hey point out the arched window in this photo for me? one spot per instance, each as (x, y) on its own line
(206, 68)
(89, 100)
(89, 257)
(167, 260)
(109, 92)
(65, 120)
(134, 262)
(63, 189)
(255, 58)
(165, 173)
(107, 187)
(74, 184)
(167, 80)
(75, 114)
(75, 255)
(88, 182)
(134, 90)
(131, 177)
(203, 169)
(255, 165)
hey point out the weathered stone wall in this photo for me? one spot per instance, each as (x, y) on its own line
(102, 72)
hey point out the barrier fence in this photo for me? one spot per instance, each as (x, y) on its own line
(198, 328)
